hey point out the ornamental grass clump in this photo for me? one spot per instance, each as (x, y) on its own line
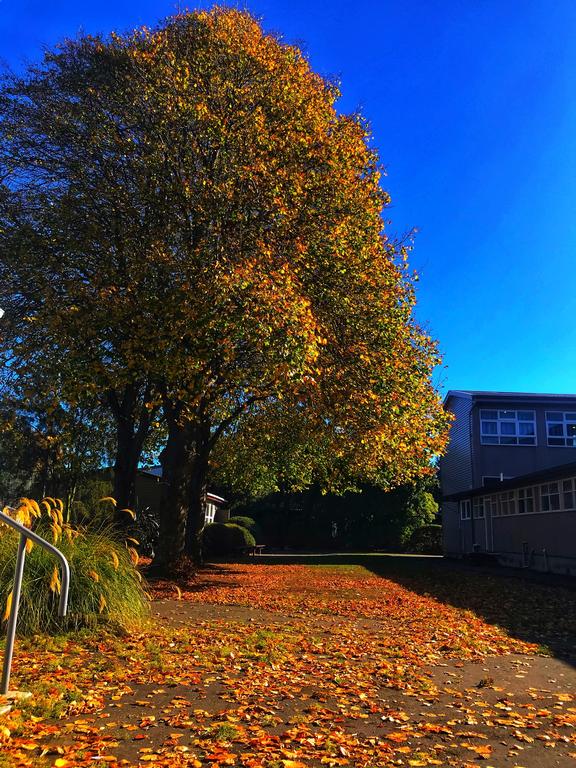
(105, 584)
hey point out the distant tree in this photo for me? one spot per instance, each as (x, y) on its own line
(47, 446)
(188, 222)
(368, 518)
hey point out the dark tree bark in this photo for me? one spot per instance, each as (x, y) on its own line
(174, 496)
(185, 463)
(133, 423)
(197, 490)
(128, 452)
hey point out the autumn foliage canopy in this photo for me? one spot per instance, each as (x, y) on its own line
(186, 213)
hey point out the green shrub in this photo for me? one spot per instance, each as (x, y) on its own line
(225, 538)
(105, 585)
(427, 540)
(249, 523)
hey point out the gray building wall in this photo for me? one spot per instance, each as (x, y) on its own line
(474, 534)
(451, 529)
(514, 460)
(468, 461)
(544, 541)
(554, 532)
(456, 474)
(456, 465)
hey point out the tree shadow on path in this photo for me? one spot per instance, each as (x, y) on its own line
(538, 608)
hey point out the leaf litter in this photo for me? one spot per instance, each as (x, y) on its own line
(292, 666)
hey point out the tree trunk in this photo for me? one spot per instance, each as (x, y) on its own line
(128, 452)
(174, 499)
(133, 420)
(197, 489)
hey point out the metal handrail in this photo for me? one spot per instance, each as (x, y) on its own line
(26, 533)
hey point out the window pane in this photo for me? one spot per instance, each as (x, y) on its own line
(555, 441)
(507, 414)
(566, 485)
(569, 500)
(571, 430)
(488, 414)
(490, 440)
(508, 427)
(556, 429)
(525, 415)
(508, 441)
(490, 427)
(527, 441)
(545, 503)
(570, 416)
(551, 416)
(555, 502)
(526, 428)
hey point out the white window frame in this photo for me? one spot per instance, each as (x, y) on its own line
(547, 492)
(536, 499)
(525, 497)
(478, 508)
(465, 509)
(567, 490)
(209, 512)
(504, 416)
(560, 417)
(507, 503)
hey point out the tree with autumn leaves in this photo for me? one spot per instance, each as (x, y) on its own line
(192, 232)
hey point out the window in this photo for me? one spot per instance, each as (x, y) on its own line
(525, 500)
(550, 497)
(465, 511)
(507, 503)
(568, 498)
(518, 502)
(209, 513)
(478, 508)
(561, 429)
(507, 427)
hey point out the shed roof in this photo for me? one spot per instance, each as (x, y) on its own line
(156, 472)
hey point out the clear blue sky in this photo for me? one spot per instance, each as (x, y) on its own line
(473, 108)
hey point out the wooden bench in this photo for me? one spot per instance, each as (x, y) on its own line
(253, 551)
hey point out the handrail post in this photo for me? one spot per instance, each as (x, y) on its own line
(11, 631)
(26, 533)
